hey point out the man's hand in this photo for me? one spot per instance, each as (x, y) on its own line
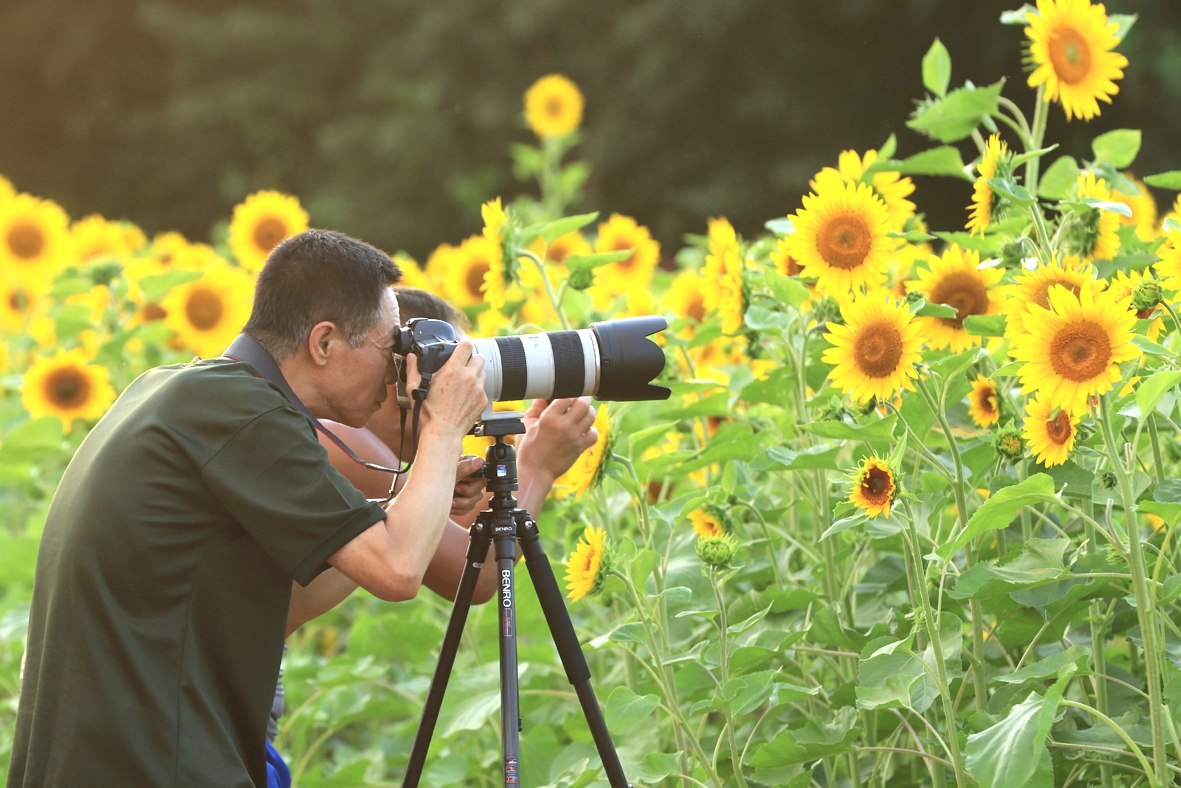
(469, 485)
(456, 398)
(556, 433)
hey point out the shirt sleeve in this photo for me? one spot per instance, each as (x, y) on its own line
(274, 478)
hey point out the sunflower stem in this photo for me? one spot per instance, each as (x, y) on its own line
(961, 505)
(1098, 638)
(549, 288)
(1040, 113)
(1145, 609)
(1154, 438)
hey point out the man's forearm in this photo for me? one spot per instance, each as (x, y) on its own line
(321, 595)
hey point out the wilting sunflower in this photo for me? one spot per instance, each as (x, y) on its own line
(1125, 286)
(873, 354)
(633, 273)
(722, 275)
(260, 223)
(685, 297)
(956, 280)
(17, 305)
(1143, 205)
(1073, 350)
(34, 240)
(208, 313)
(1095, 235)
(840, 238)
(984, 402)
(588, 566)
(587, 471)
(95, 237)
(1071, 43)
(1050, 439)
(68, 386)
(553, 106)
(1168, 267)
(983, 200)
(890, 186)
(874, 487)
(1033, 287)
(467, 266)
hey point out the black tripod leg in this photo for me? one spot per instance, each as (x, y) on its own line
(477, 552)
(510, 711)
(577, 671)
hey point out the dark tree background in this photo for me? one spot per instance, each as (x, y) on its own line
(391, 119)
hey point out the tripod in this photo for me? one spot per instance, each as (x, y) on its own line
(504, 526)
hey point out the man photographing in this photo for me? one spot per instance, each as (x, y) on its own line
(164, 574)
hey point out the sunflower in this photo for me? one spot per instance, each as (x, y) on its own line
(784, 262)
(260, 223)
(1070, 41)
(956, 280)
(412, 275)
(561, 247)
(1169, 264)
(1073, 350)
(1143, 207)
(1033, 287)
(588, 566)
(34, 240)
(1175, 213)
(983, 200)
(172, 250)
(984, 402)
(209, 312)
(467, 266)
(709, 521)
(840, 238)
(17, 305)
(1050, 439)
(553, 106)
(722, 275)
(873, 354)
(1095, 236)
(1124, 285)
(710, 359)
(874, 487)
(685, 297)
(95, 237)
(587, 471)
(501, 273)
(890, 186)
(68, 386)
(633, 273)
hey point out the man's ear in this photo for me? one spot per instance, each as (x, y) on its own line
(320, 342)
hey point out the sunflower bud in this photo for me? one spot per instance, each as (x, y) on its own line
(826, 310)
(716, 551)
(1009, 443)
(581, 278)
(1146, 295)
(1013, 254)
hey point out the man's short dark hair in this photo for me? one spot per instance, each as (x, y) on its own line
(413, 302)
(316, 276)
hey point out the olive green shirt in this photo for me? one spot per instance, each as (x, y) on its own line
(163, 581)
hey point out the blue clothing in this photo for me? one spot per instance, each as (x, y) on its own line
(278, 775)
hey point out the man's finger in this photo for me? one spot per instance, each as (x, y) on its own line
(590, 438)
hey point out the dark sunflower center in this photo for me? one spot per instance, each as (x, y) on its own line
(963, 291)
(152, 312)
(25, 240)
(268, 233)
(876, 485)
(475, 277)
(844, 241)
(1058, 428)
(878, 349)
(1144, 314)
(621, 246)
(696, 308)
(67, 387)
(1080, 351)
(554, 107)
(792, 265)
(18, 300)
(986, 399)
(204, 309)
(558, 252)
(1070, 55)
(1042, 298)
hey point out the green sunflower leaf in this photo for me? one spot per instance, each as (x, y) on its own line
(999, 510)
(1058, 180)
(944, 160)
(579, 262)
(1125, 22)
(1165, 180)
(568, 224)
(955, 116)
(1118, 147)
(156, 287)
(1011, 191)
(985, 325)
(1018, 16)
(937, 69)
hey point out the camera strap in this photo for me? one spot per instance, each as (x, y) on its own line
(249, 350)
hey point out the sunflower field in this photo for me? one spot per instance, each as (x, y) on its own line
(908, 518)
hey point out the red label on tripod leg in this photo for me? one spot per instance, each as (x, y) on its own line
(506, 621)
(511, 774)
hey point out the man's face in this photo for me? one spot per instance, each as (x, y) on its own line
(358, 378)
